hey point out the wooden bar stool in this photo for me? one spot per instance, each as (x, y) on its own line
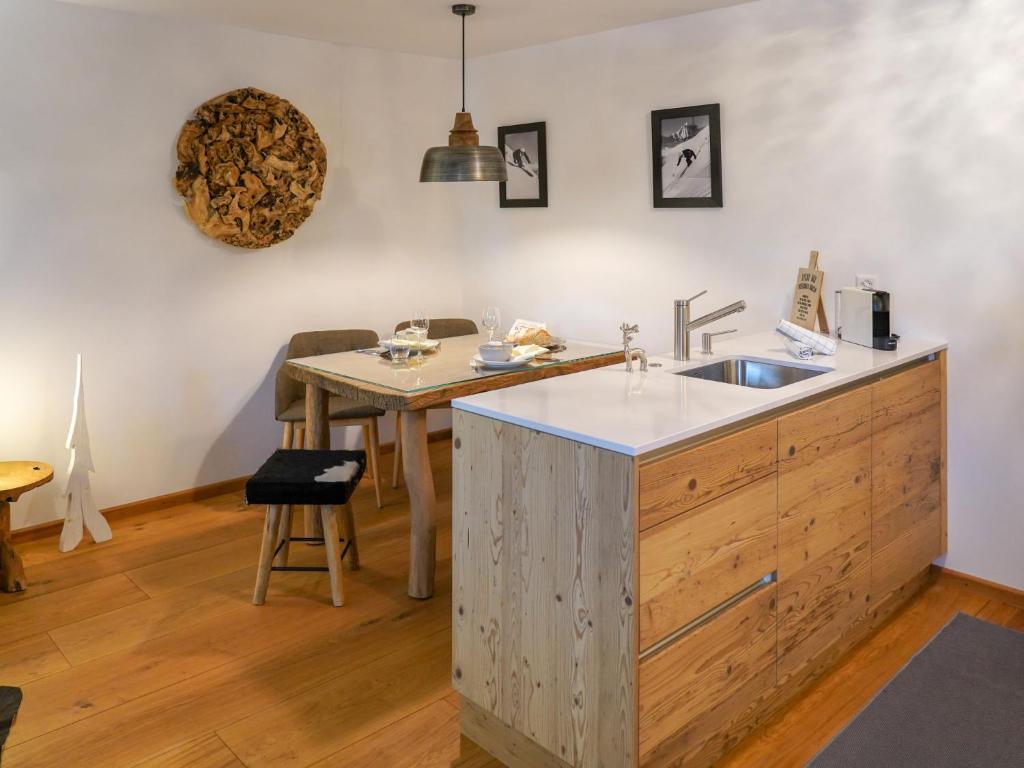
(16, 478)
(291, 478)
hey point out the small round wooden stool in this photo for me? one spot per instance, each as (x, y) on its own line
(16, 477)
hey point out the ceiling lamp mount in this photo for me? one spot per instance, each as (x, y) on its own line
(463, 159)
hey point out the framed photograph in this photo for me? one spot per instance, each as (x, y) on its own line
(686, 150)
(526, 160)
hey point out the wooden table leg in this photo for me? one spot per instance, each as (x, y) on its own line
(419, 479)
(12, 572)
(318, 437)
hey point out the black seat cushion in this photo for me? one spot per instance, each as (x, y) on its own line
(289, 477)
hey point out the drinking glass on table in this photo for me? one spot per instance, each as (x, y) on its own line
(491, 319)
(420, 323)
(399, 351)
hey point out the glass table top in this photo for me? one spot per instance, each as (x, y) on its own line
(449, 365)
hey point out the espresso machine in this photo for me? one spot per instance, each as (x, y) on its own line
(863, 318)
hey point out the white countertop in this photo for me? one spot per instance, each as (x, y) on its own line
(640, 412)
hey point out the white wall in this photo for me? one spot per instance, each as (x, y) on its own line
(180, 334)
(885, 133)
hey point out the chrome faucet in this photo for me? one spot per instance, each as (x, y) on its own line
(628, 333)
(683, 323)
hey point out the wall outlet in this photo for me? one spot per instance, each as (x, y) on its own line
(867, 282)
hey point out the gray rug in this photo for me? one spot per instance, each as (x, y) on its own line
(959, 703)
(10, 700)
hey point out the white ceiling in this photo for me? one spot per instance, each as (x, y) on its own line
(421, 26)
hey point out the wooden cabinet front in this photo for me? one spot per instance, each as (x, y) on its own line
(693, 688)
(698, 560)
(907, 470)
(681, 481)
(824, 525)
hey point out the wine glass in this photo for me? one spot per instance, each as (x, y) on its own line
(491, 320)
(420, 323)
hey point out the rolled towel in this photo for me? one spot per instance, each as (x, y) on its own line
(819, 344)
(798, 349)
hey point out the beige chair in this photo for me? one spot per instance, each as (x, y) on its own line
(443, 328)
(290, 395)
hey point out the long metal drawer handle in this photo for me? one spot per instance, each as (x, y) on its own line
(707, 616)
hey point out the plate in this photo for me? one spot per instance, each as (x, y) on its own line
(497, 365)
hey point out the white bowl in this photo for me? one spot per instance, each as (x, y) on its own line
(496, 351)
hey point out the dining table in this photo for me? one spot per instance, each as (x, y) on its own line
(427, 380)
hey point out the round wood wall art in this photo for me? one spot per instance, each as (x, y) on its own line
(250, 167)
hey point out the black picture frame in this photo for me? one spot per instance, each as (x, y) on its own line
(540, 198)
(705, 116)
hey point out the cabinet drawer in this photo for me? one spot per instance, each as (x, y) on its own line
(696, 561)
(693, 688)
(682, 481)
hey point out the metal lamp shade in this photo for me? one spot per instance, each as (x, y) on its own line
(463, 159)
(463, 164)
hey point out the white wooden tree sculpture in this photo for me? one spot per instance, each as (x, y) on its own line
(81, 508)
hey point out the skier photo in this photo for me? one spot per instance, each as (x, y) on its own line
(524, 150)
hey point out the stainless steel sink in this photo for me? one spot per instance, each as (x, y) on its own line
(759, 374)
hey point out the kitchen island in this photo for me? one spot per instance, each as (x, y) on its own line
(648, 565)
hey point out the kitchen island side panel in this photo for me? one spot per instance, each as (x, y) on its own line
(544, 588)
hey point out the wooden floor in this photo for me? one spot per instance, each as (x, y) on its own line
(146, 651)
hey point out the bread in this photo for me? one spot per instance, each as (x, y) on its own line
(535, 336)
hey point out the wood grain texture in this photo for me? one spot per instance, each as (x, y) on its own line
(317, 437)
(824, 478)
(673, 484)
(16, 478)
(907, 475)
(250, 167)
(824, 525)
(990, 589)
(723, 664)
(511, 747)
(698, 560)
(419, 481)
(204, 752)
(544, 622)
(29, 659)
(427, 738)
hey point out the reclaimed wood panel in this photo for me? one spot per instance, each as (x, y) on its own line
(820, 604)
(723, 664)
(907, 474)
(679, 482)
(824, 478)
(698, 560)
(513, 748)
(544, 579)
(824, 525)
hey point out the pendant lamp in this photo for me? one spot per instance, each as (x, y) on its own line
(463, 159)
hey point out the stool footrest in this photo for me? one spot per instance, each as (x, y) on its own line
(320, 539)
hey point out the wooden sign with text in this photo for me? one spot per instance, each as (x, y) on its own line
(808, 305)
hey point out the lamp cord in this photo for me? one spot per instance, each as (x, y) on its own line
(463, 63)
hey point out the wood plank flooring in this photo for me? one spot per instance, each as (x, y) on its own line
(145, 652)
